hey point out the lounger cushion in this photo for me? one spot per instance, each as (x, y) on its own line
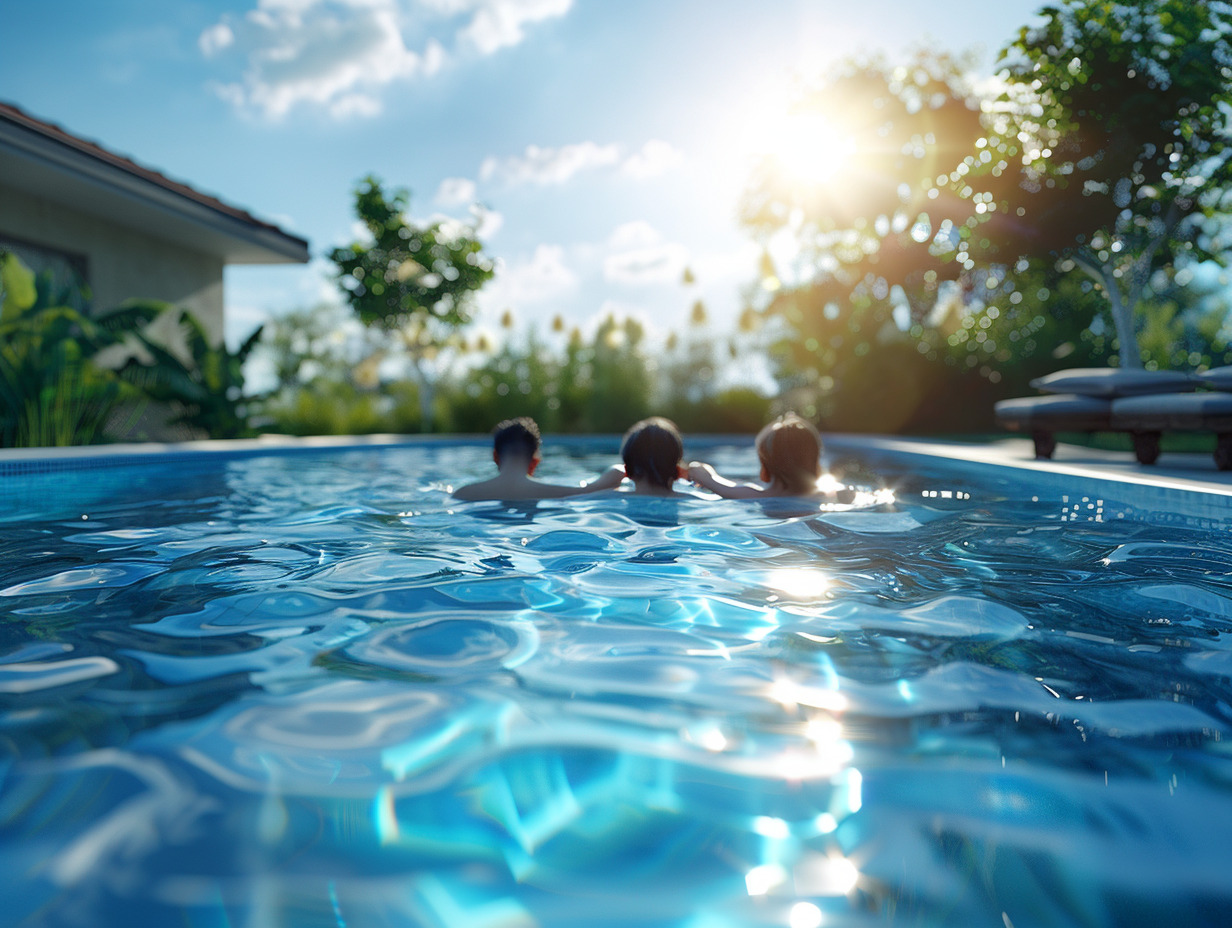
(1061, 412)
(1180, 412)
(1217, 378)
(1113, 382)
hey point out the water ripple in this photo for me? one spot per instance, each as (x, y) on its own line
(451, 646)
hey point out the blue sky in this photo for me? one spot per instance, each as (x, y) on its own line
(602, 142)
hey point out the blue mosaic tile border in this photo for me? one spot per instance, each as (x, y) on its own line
(88, 460)
(26, 466)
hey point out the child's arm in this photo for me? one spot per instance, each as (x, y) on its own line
(705, 477)
(608, 480)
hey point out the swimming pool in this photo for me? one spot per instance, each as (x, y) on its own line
(309, 689)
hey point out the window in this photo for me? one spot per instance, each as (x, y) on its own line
(68, 273)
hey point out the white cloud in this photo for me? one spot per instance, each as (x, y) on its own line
(487, 222)
(542, 278)
(638, 255)
(660, 264)
(652, 159)
(214, 39)
(449, 7)
(355, 104)
(455, 191)
(636, 234)
(433, 58)
(333, 53)
(339, 54)
(545, 166)
(498, 24)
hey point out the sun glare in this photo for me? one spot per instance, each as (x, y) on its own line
(799, 583)
(809, 148)
(804, 144)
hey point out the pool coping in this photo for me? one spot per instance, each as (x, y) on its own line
(1178, 472)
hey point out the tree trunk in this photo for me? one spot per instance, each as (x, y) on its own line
(426, 396)
(1122, 309)
(423, 381)
(1127, 338)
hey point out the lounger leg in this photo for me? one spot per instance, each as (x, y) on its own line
(1223, 451)
(1146, 447)
(1045, 444)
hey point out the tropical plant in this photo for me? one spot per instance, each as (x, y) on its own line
(51, 391)
(206, 390)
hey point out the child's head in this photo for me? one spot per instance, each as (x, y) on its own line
(652, 450)
(789, 449)
(516, 440)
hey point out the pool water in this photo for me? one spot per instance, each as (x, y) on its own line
(311, 689)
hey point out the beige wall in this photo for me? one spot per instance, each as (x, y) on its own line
(123, 264)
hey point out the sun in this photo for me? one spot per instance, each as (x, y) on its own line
(809, 148)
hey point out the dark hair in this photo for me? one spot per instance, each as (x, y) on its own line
(652, 450)
(517, 438)
(789, 449)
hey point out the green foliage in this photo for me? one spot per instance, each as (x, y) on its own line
(734, 410)
(567, 383)
(17, 286)
(336, 407)
(1108, 151)
(206, 391)
(601, 386)
(515, 381)
(937, 274)
(873, 222)
(1019, 328)
(850, 320)
(328, 373)
(408, 270)
(620, 384)
(307, 344)
(51, 391)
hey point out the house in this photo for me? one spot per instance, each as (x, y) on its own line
(71, 207)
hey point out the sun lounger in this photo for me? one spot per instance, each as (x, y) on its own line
(1147, 417)
(1143, 403)
(1042, 416)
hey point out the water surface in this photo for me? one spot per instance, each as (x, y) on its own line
(313, 690)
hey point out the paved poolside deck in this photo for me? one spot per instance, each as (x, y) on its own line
(1189, 471)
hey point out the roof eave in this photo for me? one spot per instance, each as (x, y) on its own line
(88, 178)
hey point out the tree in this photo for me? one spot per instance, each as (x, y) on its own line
(414, 281)
(1108, 150)
(306, 344)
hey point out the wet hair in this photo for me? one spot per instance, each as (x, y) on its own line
(789, 448)
(516, 438)
(652, 450)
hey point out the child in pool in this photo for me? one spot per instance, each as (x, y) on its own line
(789, 449)
(651, 451)
(515, 449)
